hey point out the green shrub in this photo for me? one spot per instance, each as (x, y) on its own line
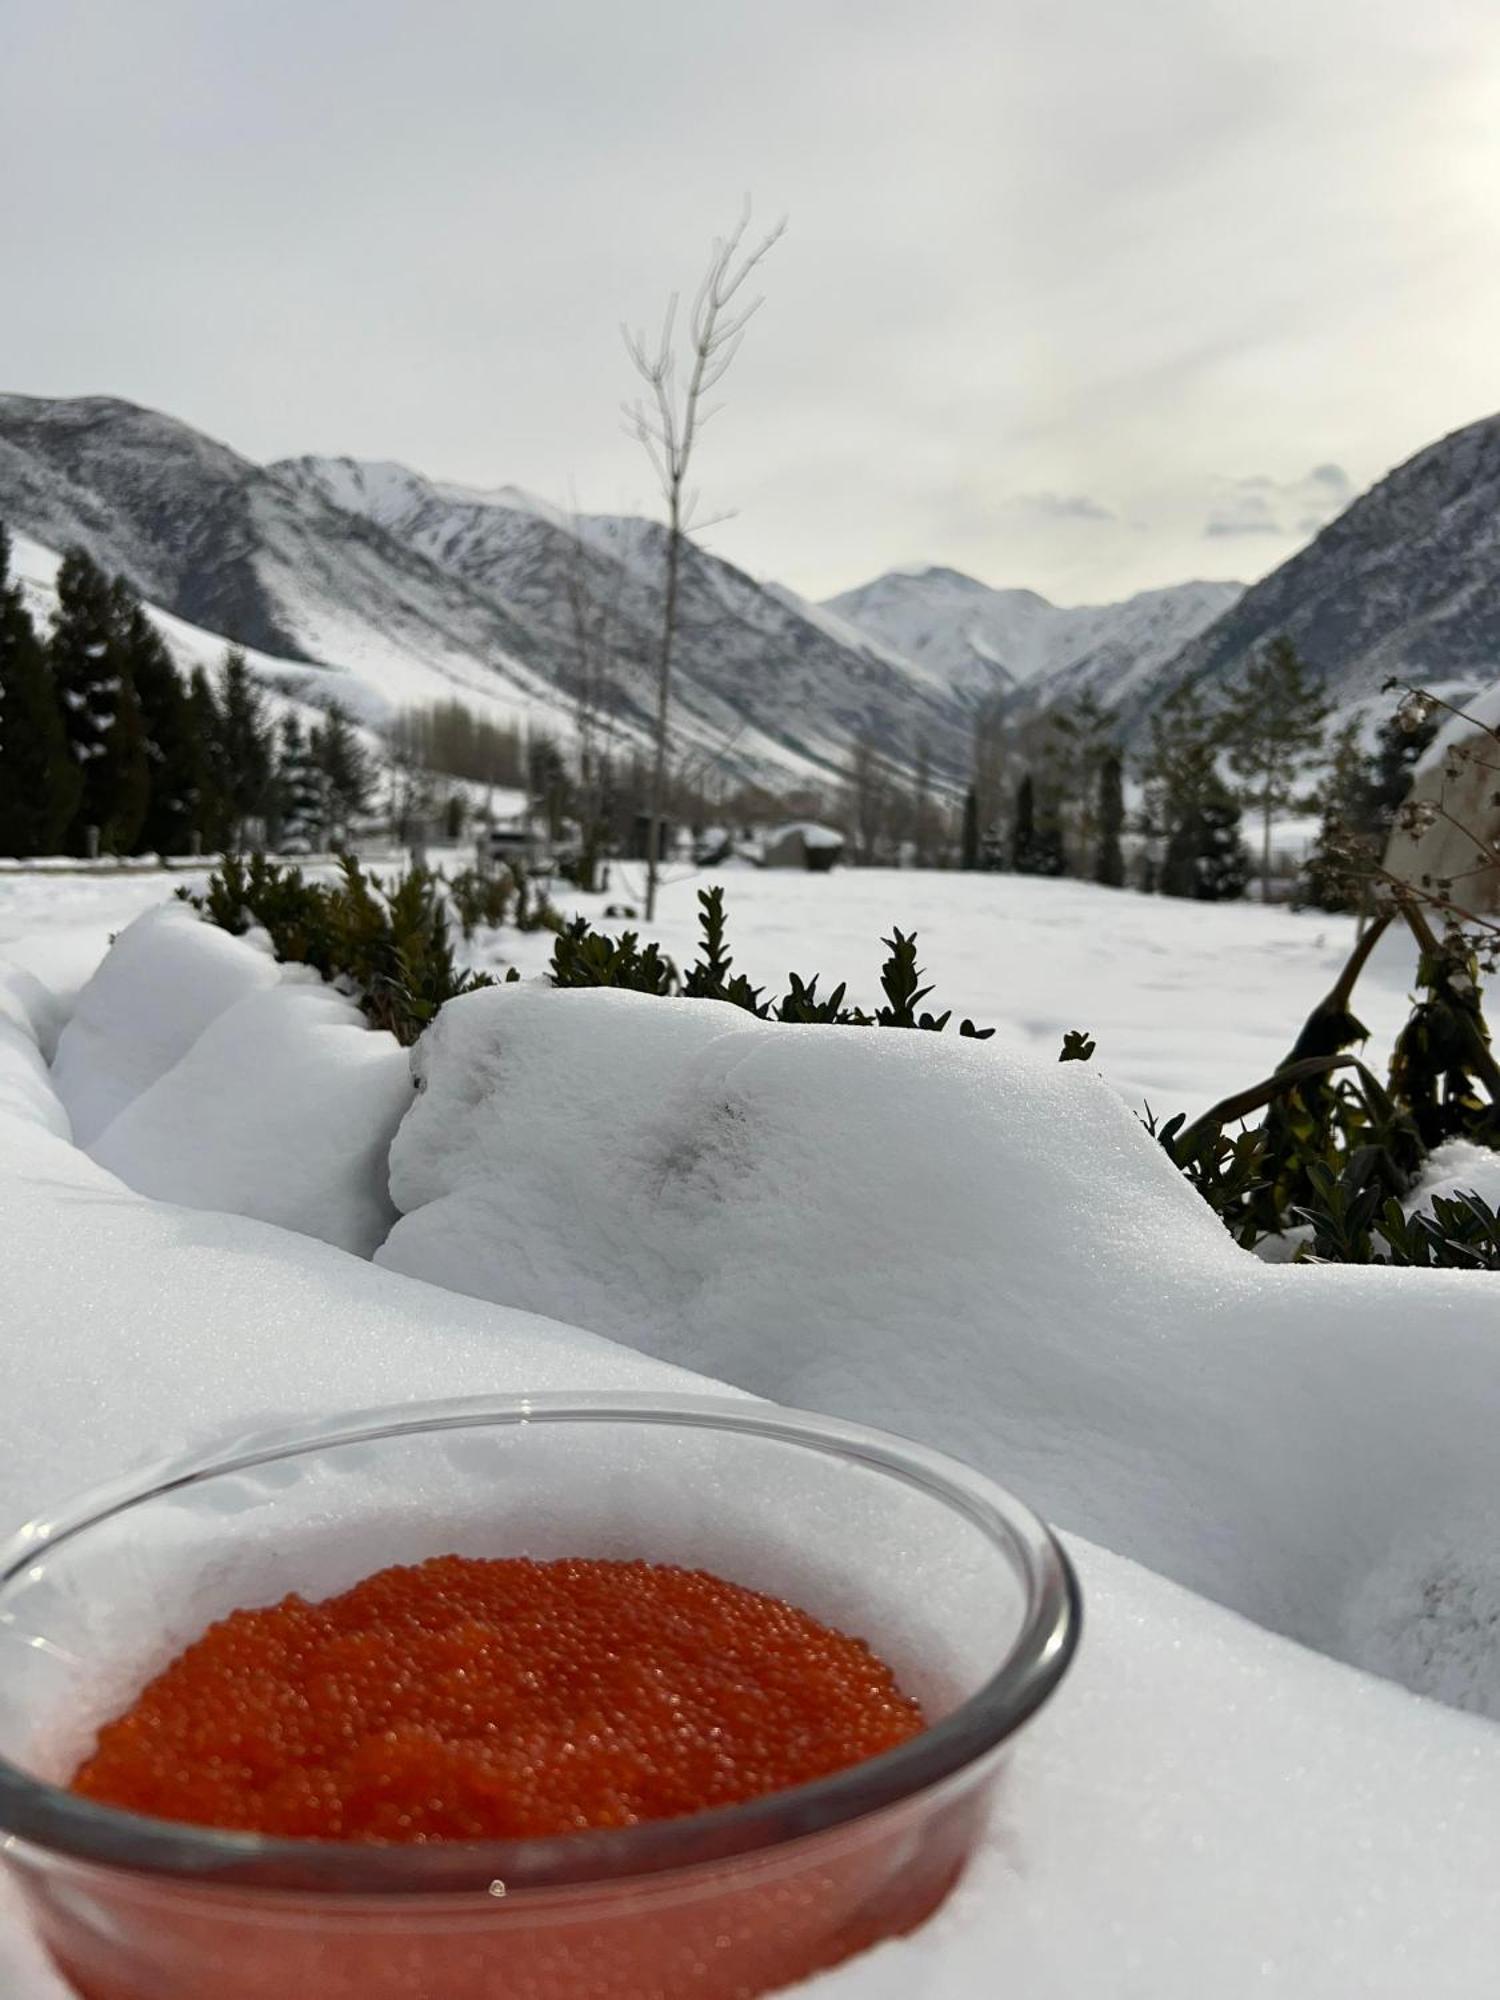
(389, 946)
(1337, 1148)
(586, 957)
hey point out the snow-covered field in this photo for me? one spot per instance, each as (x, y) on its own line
(958, 1240)
(1187, 1001)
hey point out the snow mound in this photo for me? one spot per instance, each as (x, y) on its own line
(25, 1087)
(1203, 1809)
(166, 976)
(283, 1109)
(1431, 1615)
(990, 1252)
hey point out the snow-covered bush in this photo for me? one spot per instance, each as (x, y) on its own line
(388, 945)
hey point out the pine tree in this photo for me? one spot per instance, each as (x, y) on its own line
(1109, 855)
(346, 770)
(1023, 827)
(1205, 856)
(300, 806)
(1036, 838)
(971, 829)
(1350, 832)
(1275, 721)
(101, 716)
(244, 747)
(176, 754)
(1079, 742)
(1180, 776)
(1223, 870)
(39, 782)
(209, 831)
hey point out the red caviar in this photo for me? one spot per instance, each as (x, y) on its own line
(465, 1699)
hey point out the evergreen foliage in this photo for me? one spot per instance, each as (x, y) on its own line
(585, 957)
(1274, 723)
(1036, 846)
(1349, 836)
(1109, 855)
(970, 842)
(390, 945)
(245, 753)
(176, 753)
(300, 809)
(101, 714)
(1188, 806)
(39, 783)
(348, 778)
(1337, 1148)
(211, 814)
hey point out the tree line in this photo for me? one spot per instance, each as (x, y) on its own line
(1047, 793)
(105, 749)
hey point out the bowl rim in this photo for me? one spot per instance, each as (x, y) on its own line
(54, 1820)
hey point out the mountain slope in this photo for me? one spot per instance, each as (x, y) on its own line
(1406, 581)
(226, 545)
(752, 663)
(982, 641)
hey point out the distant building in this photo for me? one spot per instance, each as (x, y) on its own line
(508, 840)
(804, 844)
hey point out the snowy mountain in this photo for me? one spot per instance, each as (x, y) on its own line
(224, 544)
(413, 592)
(749, 658)
(1406, 581)
(982, 641)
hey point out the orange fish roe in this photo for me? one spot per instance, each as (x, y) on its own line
(463, 1699)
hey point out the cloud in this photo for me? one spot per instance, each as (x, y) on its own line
(1260, 505)
(1060, 507)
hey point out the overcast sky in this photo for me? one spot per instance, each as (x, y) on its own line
(1078, 294)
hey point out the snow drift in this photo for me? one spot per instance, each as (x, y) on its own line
(991, 1253)
(199, 1070)
(1204, 1808)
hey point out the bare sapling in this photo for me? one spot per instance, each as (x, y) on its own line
(679, 373)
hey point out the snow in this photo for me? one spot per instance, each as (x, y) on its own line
(1459, 1167)
(161, 983)
(975, 639)
(1204, 1808)
(1188, 1001)
(283, 1108)
(900, 1228)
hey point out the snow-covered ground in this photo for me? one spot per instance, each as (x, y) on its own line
(1187, 1001)
(955, 1239)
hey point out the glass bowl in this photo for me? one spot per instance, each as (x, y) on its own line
(963, 1592)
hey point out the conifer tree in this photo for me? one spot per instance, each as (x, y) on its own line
(1023, 827)
(1354, 821)
(1036, 837)
(39, 782)
(346, 770)
(209, 831)
(971, 829)
(1274, 724)
(176, 755)
(101, 716)
(1079, 743)
(300, 804)
(1223, 866)
(1109, 855)
(244, 747)
(1180, 773)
